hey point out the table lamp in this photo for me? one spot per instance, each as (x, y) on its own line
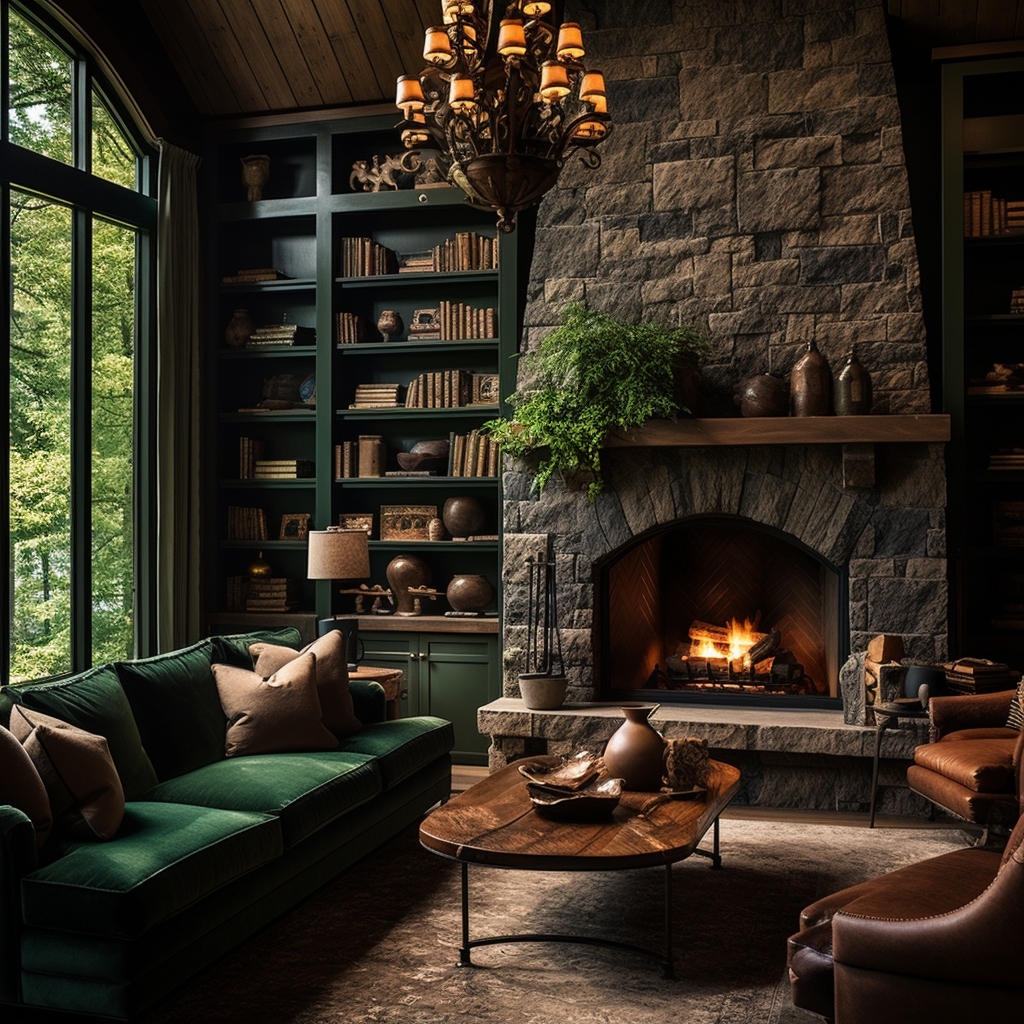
(337, 554)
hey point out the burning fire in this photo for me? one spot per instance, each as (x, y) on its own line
(740, 637)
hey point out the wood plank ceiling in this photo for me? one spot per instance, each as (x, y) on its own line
(252, 57)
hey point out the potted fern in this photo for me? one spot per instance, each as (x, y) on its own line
(593, 374)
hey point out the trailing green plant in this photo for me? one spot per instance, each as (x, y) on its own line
(593, 374)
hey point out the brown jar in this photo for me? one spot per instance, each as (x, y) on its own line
(853, 389)
(810, 384)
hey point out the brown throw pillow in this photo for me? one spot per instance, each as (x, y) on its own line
(267, 716)
(21, 786)
(331, 676)
(86, 798)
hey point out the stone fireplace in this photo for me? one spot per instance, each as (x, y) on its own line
(754, 184)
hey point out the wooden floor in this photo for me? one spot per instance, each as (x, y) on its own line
(464, 776)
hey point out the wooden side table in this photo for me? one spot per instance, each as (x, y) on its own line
(389, 678)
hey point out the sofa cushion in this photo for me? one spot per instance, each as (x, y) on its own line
(21, 785)
(981, 765)
(94, 701)
(280, 713)
(166, 857)
(305, 790)
(174, 700)
(403, 746)
(233, 648)
(84, 792)
(331, 676)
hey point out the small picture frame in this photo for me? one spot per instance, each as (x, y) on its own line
(406, 522)
(356, 521)
(486, 389)
(295, 526)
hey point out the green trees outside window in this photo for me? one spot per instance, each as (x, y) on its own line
(78, 258)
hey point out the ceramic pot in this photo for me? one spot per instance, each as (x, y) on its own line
(389, 323)
(636, 752)
(403, 572)
(239, 327)
(255, 172)
(542, 693)
(763, 395)
(463, 515)
(853, 389)
(810, 384)
(469, 593)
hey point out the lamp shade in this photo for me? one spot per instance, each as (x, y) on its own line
(511, 38)
(338, 555)
(437, 47)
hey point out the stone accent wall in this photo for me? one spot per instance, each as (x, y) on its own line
(754, 184)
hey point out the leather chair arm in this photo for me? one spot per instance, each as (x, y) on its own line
(968, 711)
(976, 944)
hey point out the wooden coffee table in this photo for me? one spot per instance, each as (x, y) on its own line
(494, 824)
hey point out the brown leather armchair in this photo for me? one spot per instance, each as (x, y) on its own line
(934, 941)
(968, 767)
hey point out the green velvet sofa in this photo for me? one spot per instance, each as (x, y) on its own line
(210, 848)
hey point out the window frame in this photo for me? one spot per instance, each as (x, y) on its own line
(89, 198)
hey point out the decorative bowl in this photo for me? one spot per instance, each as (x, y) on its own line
(596, 800)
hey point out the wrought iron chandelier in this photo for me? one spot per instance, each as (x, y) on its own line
(505, 103)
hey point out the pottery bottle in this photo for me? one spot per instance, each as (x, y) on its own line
(853, 388)
(636, 751)
(239, 327)
(810, 384)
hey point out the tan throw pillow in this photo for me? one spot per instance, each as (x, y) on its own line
(86, 798)
(331, 676)
(21, 786)
(273, 715)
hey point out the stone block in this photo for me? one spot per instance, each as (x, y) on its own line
(694, 184)
(643, 99)
(774, 44)
(720, 93)
(695, 129)
(784, 199)
(712, 275)
(558, 291)
(862, 148)
(905, 327)
(790, 298)
(908, 606)
(926, 568)
(912, 483)
(858, 466)
(863, 189)
(812, 89)
(860, 229)
(815, 151)
(900, 532)
(630, 200)
(566, 252)
(829, 25)
(841, 264)
(862, 299)
(818, 55)
(867, 568)
(757, 275)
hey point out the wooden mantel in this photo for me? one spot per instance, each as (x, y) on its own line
(761, 430)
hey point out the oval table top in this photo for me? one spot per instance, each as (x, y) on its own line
(494, 823)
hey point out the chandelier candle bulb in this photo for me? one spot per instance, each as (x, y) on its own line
(511, 38)
(535, 9)
(570, 41)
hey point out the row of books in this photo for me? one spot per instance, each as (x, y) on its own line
(246, 523)
(249, 451)
(1017, 300)
(282, 469)
(985, 214)
(363, 257)
(281, 334)
(351, 328)
(466, 250)
(440, 389)
(473, 454)
(460, 321)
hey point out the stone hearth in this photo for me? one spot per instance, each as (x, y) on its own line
(754, 185)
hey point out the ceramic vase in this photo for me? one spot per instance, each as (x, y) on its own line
(810, 384)
(763, 395)
(255, 172)
(636, 752)
(541, 692)
(390, 323)
(463, 515)
(403, 572)
(469, 592)
(853, 389)
(239, 328)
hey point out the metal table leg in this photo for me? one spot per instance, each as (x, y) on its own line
(882, 722)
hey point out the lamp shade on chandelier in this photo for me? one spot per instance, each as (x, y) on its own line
(505, 97)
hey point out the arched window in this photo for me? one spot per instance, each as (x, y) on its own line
(76, 239)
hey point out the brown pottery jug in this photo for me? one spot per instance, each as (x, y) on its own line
(636, 752)
(810, 384)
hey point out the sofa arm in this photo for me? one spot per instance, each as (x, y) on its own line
(968, 711)
(368, 699)
(17, 859)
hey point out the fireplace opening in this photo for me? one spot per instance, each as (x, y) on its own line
(719, 608)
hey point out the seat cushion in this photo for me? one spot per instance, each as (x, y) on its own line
(305, 790)
(981, 765)
(174, 700)
(165, 858)
(95, 702)
(403, 746)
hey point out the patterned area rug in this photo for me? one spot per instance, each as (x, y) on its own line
(379, 946)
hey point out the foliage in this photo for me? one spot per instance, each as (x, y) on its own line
(593, 374)
(40, 383)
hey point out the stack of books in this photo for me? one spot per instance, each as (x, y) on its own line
(363, 257)
(249, 451)
(418, 262)
(1006, 458)
(440, 389)
(254, 276)
(272, 594)
(282, 469)
(246, 523)
(281, 334)
(977, 675)
(460, 321)
(377, 396)
(352, 329)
